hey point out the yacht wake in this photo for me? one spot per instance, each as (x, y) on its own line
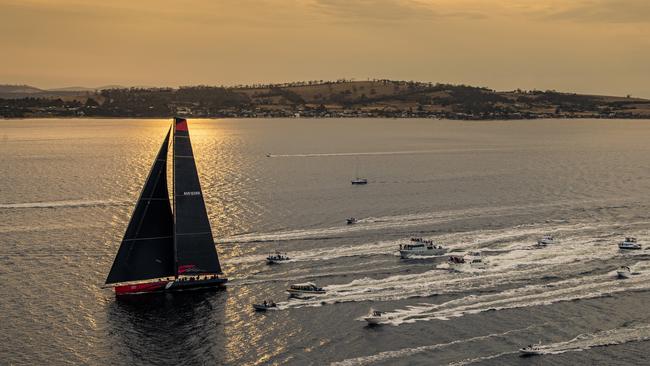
(531, 295)
(610, 337)
(65, 203)
(512, 268)
(406, 352)
(404, 221)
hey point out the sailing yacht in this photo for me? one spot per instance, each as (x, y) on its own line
(165, 250)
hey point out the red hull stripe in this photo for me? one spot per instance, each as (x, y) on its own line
(181, 125)
(141, 287)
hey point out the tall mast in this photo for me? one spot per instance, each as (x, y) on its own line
(194, 247)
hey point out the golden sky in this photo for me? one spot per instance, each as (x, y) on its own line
(592, 46)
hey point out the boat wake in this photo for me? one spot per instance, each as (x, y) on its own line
(380, 153)
(400, 222)
(514, 268)
(583, 342)
(610, 337)
(64, 203)
(520, 237)
(406, 352)
(531, 295)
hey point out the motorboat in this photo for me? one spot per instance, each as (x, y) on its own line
(357, 180)
(456, 261)
(531, 350)
(351, 220)
(270, 305)
(546, 240)
(624, 272)
(277, 257)
(375, 317)
(629, 243)
(476, 260)
(305, 289)
(419, 247)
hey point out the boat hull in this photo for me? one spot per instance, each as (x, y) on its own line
(304, 294)
(275, 261)
(169, 286)
(262, 307)
(622, 274)
(411, 254)
(629, 247)
(527, 353)
(372, 320)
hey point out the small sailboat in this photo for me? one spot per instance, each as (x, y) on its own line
(266, 305)
(277, 257)
(375, 317)
(165, 250)
(629, 243)
(419, 247)
(624, 272)
(351, 220)
(305, 290)
(546, 240)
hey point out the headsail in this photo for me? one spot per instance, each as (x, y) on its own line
(147, 249)
(193, 242)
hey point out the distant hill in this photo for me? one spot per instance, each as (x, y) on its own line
(26, 91)
(341, 98)
(72, 89)
(23, 89)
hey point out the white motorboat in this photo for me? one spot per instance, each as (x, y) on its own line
(375, 317)
(456, 262)
(629, 243)
(476, 260)
(270, 305)
(419, 247)
(351, 220)
(277, 257)
(305, 289)
(624, 272)
(531, 350)
(546, 240)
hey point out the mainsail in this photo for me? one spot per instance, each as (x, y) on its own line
(147, 249)
(193, 243)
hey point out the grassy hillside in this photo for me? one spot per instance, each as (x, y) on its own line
(343, 98)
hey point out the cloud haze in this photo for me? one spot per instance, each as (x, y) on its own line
(582, 45)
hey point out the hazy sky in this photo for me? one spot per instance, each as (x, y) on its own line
(598, 46)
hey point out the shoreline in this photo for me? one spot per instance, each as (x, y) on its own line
(637, 118)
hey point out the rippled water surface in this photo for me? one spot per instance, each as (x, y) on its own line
(68, 186)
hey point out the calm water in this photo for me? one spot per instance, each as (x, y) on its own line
(68, 186)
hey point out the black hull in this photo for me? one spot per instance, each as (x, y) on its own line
(171, 286)
(197, 285)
